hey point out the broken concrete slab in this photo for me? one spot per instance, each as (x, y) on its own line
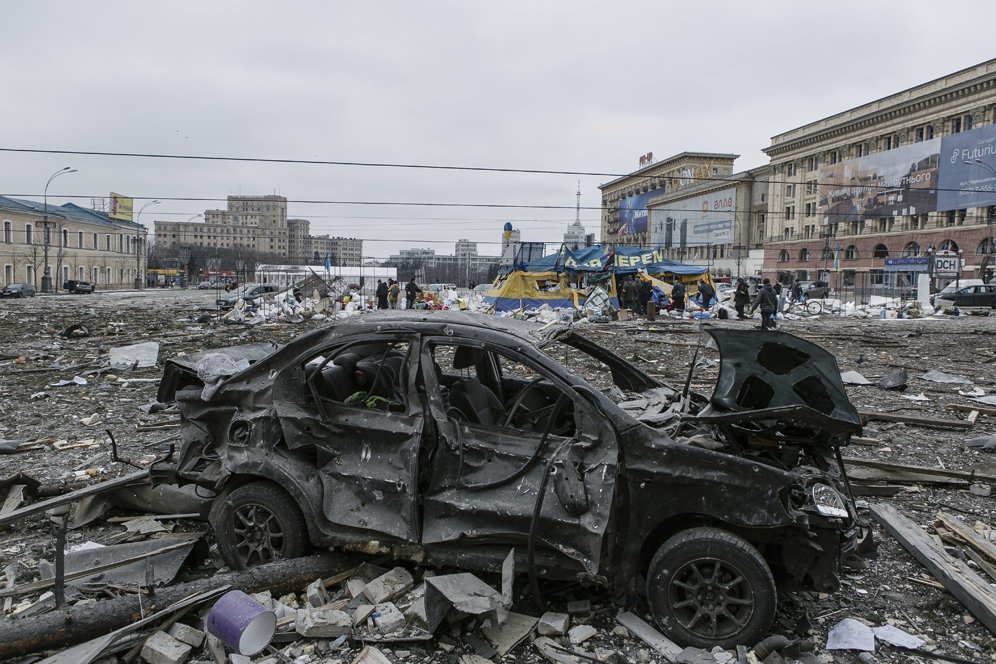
(387, 618)
(323, 623)
(388, 586)
(464, 592)
(581, 633)
(316, 593)
(192, 636)
(639, 628)
(370, 655)
(362, 612)
(553, 624)
(161, 648)
(505, 637)
(853, 378)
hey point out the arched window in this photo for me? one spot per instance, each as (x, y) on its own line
(911, 250)
(851, 253)
(65, 237)
(804, 255)
(826, 254)
(880, 251)
(949, 245)
(783, 256)
(987, 246)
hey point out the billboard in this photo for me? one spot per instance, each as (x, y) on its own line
(121, 207)
(695, 222)
(884, 184)
(968, 169)
(633, 213)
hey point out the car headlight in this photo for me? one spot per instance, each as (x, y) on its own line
(827, 500)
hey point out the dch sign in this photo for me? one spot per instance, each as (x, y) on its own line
(947, 264)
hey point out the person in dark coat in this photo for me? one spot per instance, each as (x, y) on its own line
(411, 292)
(381, 295)
(645, 294)
(767, 301)
(741, 298)
(678, 295)
(707, 293)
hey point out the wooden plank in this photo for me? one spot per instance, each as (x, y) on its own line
(968, 408)
(966, 475)
(932, 422)
(959, 579)
(966, 534)
(14, 499)
(138, 477)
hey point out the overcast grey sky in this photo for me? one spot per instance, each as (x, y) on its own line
(560, 85)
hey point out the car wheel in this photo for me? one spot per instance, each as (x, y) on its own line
(258, 523)
(708, 587)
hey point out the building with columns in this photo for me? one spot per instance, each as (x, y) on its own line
(904, 176)
(83, 245)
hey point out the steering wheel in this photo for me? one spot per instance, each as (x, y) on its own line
(519, 398)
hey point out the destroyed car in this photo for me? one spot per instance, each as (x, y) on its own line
(447, 438)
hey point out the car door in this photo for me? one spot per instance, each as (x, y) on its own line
(357, 407)
(496, 477)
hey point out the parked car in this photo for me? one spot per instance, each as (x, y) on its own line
(79, 287)
(482, 288)
(815, 289)
(248, 292)
(18, 290)
(205, 285)
(435, 288)
(449, 439)
(967, 295)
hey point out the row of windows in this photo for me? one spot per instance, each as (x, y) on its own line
(954, 124)
(124, 243)
(911, 250)
(98, 275)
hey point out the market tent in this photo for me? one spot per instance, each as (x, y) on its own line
(530, 290)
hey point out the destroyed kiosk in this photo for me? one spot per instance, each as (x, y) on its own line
(447, 439)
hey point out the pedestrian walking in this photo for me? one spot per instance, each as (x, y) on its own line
(766, 300)
(393, 291)
(741, 298)
(411, 292)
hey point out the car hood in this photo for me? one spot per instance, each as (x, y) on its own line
(179, 372)
(779, 384)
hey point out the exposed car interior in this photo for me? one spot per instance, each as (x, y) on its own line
(370, 375)
(483, 387)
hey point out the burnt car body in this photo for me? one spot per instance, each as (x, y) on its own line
(449, 438)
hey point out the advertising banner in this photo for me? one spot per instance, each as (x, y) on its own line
(885, 184)
(633, 213)
(968, 169)
(695, 222)
(121, 207)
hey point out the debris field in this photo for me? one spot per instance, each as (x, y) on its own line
(78, 384)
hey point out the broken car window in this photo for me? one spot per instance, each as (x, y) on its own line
(369, 375)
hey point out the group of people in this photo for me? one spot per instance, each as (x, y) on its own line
(636, 294)
(389, 293)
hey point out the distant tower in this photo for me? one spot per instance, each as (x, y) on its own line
(574, 237)
(509, 244)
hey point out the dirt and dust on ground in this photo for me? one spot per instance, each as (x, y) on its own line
(60, 404)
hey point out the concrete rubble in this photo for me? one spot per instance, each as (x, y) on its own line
(387, 614)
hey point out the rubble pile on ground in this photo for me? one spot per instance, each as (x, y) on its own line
(78, 382)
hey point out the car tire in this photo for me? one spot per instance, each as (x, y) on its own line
(707, 587)
(258, 523)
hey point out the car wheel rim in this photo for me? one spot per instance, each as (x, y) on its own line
(259, 535)
(711, 598)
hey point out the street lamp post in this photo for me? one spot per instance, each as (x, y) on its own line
(138, 245)
(46, 282)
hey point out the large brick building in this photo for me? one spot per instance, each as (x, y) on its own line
(907, 175)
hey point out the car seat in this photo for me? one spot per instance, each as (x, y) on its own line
(476, 403)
